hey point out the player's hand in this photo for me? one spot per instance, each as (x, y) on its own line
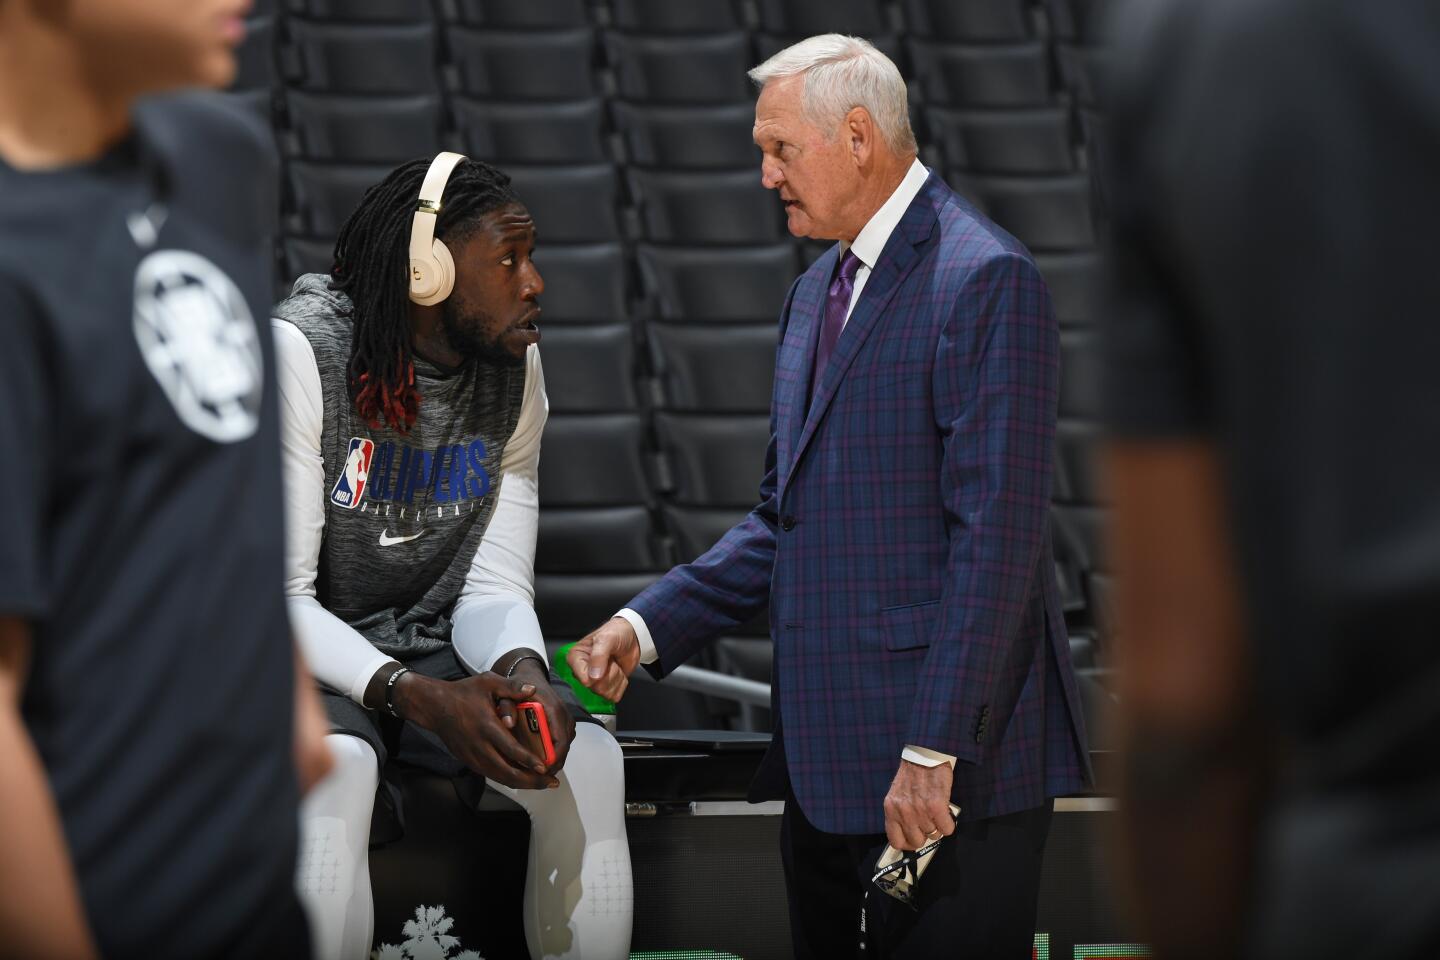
(605, 658)
(465, 715)
(557, 715)
(917, 808)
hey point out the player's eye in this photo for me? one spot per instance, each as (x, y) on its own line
(508, 261)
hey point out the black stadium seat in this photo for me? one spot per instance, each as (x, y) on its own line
(983, 21)
(523, 64)
(803, 18)
(1085, 20)
(526, 15)
(570, 606)
(716, 283)
(1078, 538)
(306, 256)
(694, 137)
(368, 58)
(349, 129)
(668, 16)
(1082, 70)
(1077, 478)
(589, 367)
(593, 460)
(563, 132)
(603, 540)
(1034, 140)
(1044, 213)
(583, 282)
(255, 58)
(570, 204)
(1081, 375)
(714, 460)
(690, 69)
(326, 194)
(1074, 281)
(984, 75)
(361, 10)
(715, 368)
(706, 206)
(696, 529)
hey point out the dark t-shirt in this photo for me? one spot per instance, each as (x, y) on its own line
(1275, 193)
(141, 506)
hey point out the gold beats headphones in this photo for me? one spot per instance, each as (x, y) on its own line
(432, 269)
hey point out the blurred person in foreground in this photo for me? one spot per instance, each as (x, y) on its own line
(1275, 403)
(413, 402)
(150, 716)
(901, 539)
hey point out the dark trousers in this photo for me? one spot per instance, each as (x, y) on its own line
(976, 900)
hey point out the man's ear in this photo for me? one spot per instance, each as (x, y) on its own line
(860, 135)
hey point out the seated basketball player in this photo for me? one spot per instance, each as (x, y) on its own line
(413, 404)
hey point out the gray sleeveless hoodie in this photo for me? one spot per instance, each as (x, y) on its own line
(404, 513)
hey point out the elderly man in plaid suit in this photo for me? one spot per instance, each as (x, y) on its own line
(901, 538)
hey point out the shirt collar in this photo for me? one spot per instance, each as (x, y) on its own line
(872, 239)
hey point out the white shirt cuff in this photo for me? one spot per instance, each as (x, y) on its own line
(648, 653)
(925, 757)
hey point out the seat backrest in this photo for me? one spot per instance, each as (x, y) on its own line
(804, 18)
(593, 460)
(573, 204)
(597, 540)
(326, 194)
(667, 16)
(570, 132)
(364, 58)
(688, 137)
(714, 460)
(1033, 140)
(363, 129)
(529, 15)
(1081, 375)
(681, 69)
(715, 368)
(255, 67)
(983, 75)
(524, 65)
(583, 282)
(717, 283)
(982, 21)
(706, 206)
(589, 368)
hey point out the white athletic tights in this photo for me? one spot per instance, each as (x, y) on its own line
(579, 899)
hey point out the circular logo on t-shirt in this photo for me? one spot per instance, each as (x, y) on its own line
(199, 340)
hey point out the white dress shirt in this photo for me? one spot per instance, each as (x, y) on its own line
(868, 245)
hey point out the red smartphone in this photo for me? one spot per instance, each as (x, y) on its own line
(533, 730)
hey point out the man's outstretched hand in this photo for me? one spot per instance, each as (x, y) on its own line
(605, 658)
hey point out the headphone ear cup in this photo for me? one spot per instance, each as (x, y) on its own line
(445, 274)
(432, 279)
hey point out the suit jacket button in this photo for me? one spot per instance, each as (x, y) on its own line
(787, 523)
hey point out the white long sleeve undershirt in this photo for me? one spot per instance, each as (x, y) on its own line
(495, 612)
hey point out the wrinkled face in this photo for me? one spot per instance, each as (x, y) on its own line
(491, 313)
(813, 170)
(145, 45)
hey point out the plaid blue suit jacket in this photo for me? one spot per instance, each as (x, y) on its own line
(902, 536)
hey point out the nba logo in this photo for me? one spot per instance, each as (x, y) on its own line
(351, 485)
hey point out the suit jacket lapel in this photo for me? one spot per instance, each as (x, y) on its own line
(802, 332)
(892, 267)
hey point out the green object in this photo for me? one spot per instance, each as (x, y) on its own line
(589, 699)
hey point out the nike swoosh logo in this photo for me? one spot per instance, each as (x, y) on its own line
(388, 541)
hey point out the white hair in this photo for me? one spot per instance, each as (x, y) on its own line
(841, 73)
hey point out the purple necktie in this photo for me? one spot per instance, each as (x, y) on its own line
(836, 305)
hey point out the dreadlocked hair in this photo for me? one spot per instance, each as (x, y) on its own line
(372, 267)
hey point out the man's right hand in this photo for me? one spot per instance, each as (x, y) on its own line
(605, 658)
(466, 716)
